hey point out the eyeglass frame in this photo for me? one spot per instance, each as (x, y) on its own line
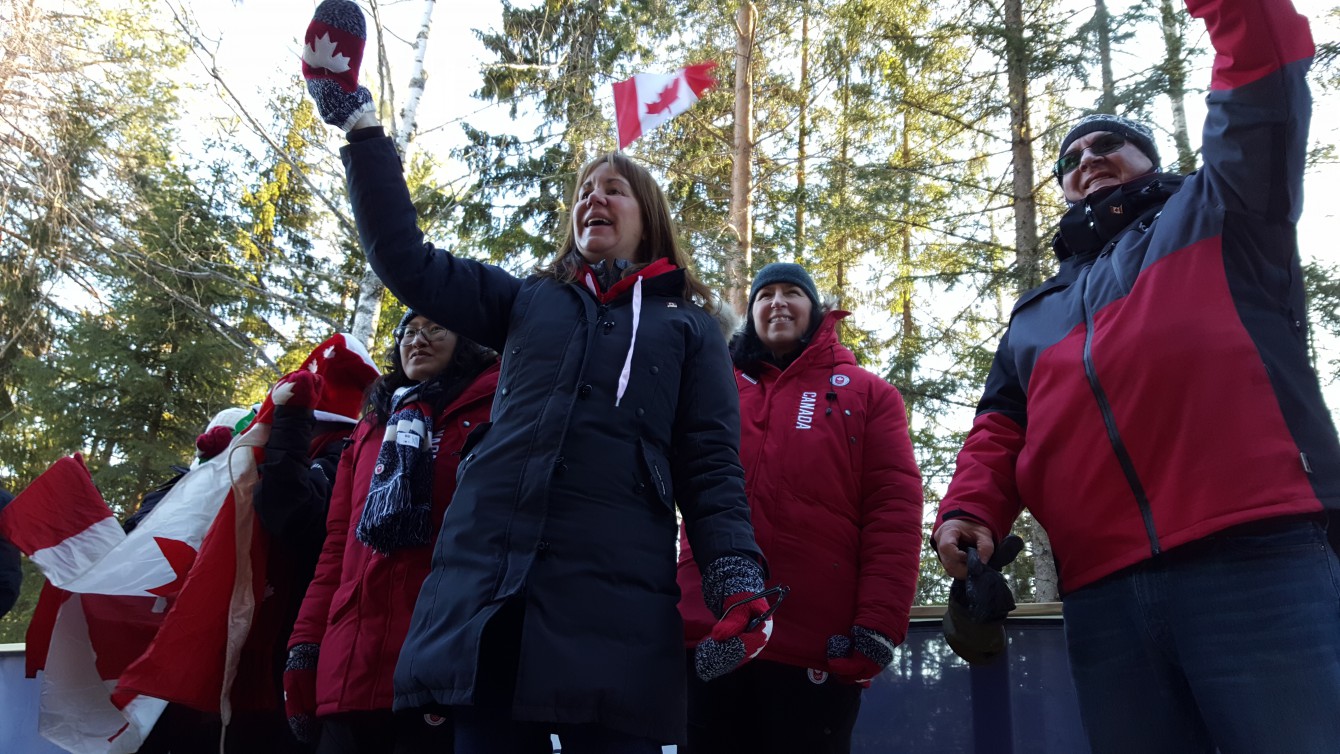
(439, 333)
(1106, 144)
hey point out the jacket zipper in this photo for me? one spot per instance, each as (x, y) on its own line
(1110, 422)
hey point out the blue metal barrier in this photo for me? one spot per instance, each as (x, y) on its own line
(928, 701)
(18, 707)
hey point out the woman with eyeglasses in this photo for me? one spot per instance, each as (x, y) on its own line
(393, 483)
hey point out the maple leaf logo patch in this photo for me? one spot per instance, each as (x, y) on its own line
(665, 99)
(323, 53)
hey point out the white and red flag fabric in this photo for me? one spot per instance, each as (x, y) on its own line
(647, 100)
(132, 621)
(108, 593)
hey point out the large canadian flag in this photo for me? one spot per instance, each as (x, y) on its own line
(129, 622)
(109, 592)
(648, 100)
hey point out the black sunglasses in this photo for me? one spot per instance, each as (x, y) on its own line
(1106, 144)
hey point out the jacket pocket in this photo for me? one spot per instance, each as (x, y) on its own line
(345, 602)
(656, 473)
(474, 438)
(472, 441)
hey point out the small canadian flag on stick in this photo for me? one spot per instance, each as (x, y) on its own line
(648, 100)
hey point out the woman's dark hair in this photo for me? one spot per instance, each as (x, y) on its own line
(746, 348)
(661, 240)
(467, 361)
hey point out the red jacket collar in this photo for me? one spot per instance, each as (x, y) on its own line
(659, 267)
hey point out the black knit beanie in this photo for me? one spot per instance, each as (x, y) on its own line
(784, 272)
(1136, 133)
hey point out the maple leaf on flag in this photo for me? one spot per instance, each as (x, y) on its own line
(179, 556)
(322, 54)
(665, 99)
(648, 100)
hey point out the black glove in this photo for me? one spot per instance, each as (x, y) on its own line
(974, 620)
(331, 55)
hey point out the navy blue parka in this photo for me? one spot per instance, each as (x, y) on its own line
(567, 502)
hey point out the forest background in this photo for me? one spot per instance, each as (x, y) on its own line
(174, 233)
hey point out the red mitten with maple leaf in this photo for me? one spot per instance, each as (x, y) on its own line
(745, 617)
(300, 691)
(300, 389)
(331, 55)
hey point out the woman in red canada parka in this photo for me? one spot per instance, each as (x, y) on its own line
(393, 484)
(836, 501)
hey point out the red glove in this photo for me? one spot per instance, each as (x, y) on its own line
(213, 442)
(740, 635)
(301, 389)
(300, 691)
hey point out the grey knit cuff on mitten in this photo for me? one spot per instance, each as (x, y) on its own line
(727, 575)
(302, 656)
(338, 107)
(873, 644)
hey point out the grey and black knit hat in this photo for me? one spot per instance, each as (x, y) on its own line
(1136, 133)
(784, 272)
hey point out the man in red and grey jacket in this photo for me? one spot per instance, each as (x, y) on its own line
(1154, 406)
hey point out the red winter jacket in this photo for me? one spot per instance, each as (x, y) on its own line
(359, 605)
(1159, 389)
(835, 498)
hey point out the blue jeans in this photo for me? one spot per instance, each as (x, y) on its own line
(1230, 642)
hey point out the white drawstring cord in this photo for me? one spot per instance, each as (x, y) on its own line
(628, 362)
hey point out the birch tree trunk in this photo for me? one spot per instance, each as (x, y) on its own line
(368, 309)
(741, 216)
(409, 113)
(1174, 66)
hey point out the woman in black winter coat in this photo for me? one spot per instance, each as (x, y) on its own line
(551, 604)
(552, 597)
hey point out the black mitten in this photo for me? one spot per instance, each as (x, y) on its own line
(974, 620)
(989, 598)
